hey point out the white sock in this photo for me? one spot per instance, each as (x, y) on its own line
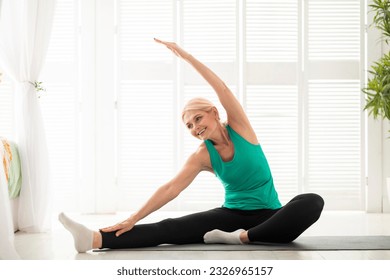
(219, 236)
(83, 236)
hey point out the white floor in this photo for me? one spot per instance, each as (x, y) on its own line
(58, 244)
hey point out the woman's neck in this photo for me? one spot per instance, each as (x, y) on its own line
(221, 136)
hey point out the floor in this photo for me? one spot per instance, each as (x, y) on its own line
(58, 244)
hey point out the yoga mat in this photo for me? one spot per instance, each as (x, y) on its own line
(304, 243)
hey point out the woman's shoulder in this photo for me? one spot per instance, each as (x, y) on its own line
(246, 132)
(202, 156)
(202, 152)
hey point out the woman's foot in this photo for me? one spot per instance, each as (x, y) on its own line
(219, 236)
(83, 236)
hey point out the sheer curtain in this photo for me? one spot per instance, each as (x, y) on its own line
(7, 249)
(25, 28)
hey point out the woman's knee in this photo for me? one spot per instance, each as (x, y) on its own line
(312, 201)
(317, 201)
(167, 225)
(315, 205)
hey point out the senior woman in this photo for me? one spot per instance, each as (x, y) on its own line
(251, 211)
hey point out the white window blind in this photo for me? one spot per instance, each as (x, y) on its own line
(271, 96)
(63, 40)
(216, 44)
(59, 106)
(294, 65)
(299, 60)
(217, 48)
(141, 21)
(271, 30)
(274, 115)
(334, 146)
(334, 29)
(333, 150)
(147, 132)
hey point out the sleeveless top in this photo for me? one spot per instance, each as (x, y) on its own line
(247, 178)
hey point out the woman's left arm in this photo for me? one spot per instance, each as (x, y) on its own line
(236, 115)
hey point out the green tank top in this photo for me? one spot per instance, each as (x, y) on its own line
(247, 178)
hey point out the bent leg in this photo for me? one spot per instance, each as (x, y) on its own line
(290, 221)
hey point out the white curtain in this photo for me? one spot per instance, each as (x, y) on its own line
(7, 249)
(25, 28)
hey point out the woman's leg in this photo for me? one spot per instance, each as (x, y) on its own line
(290, 221)
(275, 226)
(281, 225)
(184, 230)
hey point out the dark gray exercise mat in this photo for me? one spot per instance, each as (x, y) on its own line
(304, 243)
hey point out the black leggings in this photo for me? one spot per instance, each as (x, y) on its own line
(281, 225)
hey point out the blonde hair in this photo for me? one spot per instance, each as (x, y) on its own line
(197, 104)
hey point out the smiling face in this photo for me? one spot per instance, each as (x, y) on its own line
(201, 124)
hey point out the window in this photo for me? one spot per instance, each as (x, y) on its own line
(273, 89)
(333, 115)
(60, 106)
(296, 66)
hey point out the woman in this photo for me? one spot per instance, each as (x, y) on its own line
(251, 211)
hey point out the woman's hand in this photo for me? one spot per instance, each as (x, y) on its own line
(121, 227)
(175, 48)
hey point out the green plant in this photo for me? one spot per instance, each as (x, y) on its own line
(378, 86)
(382, 16)
(378, 89)
(38, 87)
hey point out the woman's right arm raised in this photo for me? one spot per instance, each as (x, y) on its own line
(236, 115)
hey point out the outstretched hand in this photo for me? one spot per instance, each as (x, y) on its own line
(175, 48)
(121, 227)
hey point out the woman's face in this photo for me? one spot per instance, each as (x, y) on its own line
(200, 123)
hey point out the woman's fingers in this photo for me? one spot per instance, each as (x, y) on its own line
(120, 232)
(173, 47)
(120, 228)
(115, 227)
(166, 43)
(110, 228)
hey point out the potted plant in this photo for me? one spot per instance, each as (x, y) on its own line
(377, 91)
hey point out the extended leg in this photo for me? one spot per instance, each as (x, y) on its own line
(184, 230)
